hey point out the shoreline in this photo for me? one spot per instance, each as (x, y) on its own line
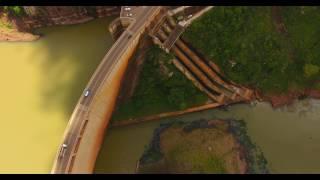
(248, 155)
(9, 31)
(276, 101)
(288, 98)
(16, 36)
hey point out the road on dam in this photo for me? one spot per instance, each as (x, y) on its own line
(81, 111)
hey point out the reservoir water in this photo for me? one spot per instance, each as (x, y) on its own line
(289, 137)
(41, 82)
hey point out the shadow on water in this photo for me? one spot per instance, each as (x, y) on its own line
(73, 53)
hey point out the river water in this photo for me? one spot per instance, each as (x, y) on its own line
(41, 82)
(289, 137)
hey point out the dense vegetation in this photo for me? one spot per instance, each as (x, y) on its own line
(161, 88)
(245, 43)
(14, 10)
(11, 11)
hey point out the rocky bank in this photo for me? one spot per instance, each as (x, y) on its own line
(278, 100)
(43, 16)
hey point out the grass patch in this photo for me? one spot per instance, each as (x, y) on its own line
(219, 147)
(199, 162)
(161, 88)
(246, 45)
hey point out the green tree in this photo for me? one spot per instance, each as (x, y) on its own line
(14, 10)
(310, 70)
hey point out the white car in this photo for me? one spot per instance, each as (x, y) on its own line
(130, 14)
(127, 9)
(63, 150)
(86, 93)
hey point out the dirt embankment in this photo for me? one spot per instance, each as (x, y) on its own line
(9, 31)
(43, 16)
(13, 35)
(287, 98)
(20, 28)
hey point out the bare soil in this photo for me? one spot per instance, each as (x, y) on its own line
(9, 31)
(278, 100)
(15, 36)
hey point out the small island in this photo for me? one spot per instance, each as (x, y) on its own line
(202, 146)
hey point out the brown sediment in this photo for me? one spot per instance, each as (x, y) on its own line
(13, 35)
(9, 31)
(313, 93)
(45, 16)
(288, 98)
(278, 100)
(282, 99)
(20, 28)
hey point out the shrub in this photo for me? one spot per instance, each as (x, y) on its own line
(14, 10)
(310, 70)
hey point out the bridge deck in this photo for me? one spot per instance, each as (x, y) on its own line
(173, 37)
(85, 128)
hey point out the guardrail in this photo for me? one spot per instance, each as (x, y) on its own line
(79, 137)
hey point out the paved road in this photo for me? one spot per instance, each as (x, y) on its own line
(134, 10)
(80, 114)
(173, 36)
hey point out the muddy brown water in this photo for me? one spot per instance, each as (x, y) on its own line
(41, 82)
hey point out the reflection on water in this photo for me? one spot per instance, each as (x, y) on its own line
(41, 82)
(288, 136)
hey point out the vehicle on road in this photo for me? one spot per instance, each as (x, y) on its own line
(86, 93)
(63, 150)
(127, 9)
(130, 34)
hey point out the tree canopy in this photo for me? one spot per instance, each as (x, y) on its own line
(245, 43)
